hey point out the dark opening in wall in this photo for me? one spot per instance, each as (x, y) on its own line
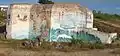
(25, 18)
(8, 19)
(9, 16)
(18, 16)
(31, 15)
(37, 15)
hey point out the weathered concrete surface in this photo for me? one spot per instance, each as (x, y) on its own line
(104, 37)
(50, 21)
(32, 20)
(18, 26)
(40, 20)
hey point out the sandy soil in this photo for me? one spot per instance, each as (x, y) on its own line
(19, 52)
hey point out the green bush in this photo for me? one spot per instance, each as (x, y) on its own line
(85, 44)
(96, 46)
(105, 16)
(2, 18)
(76, 41)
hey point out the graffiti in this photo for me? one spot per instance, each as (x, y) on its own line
(60, 35)
(40, 20)
(45, 33)
(45, 21)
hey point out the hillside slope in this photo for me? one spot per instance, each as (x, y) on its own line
(107, 26)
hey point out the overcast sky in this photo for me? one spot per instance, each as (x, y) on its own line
(110, 6)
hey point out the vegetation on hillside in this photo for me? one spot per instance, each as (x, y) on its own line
(45, 2)
(105, 16)
(2, 17)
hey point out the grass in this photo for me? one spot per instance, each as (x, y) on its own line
(16, 44)
(76, 45)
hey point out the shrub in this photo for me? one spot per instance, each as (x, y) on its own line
(76, 41)
(96, 46)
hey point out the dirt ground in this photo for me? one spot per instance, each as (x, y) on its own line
(107, 26)
(18, 52)
(11, 48)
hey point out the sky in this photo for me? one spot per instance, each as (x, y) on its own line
(109, 6)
